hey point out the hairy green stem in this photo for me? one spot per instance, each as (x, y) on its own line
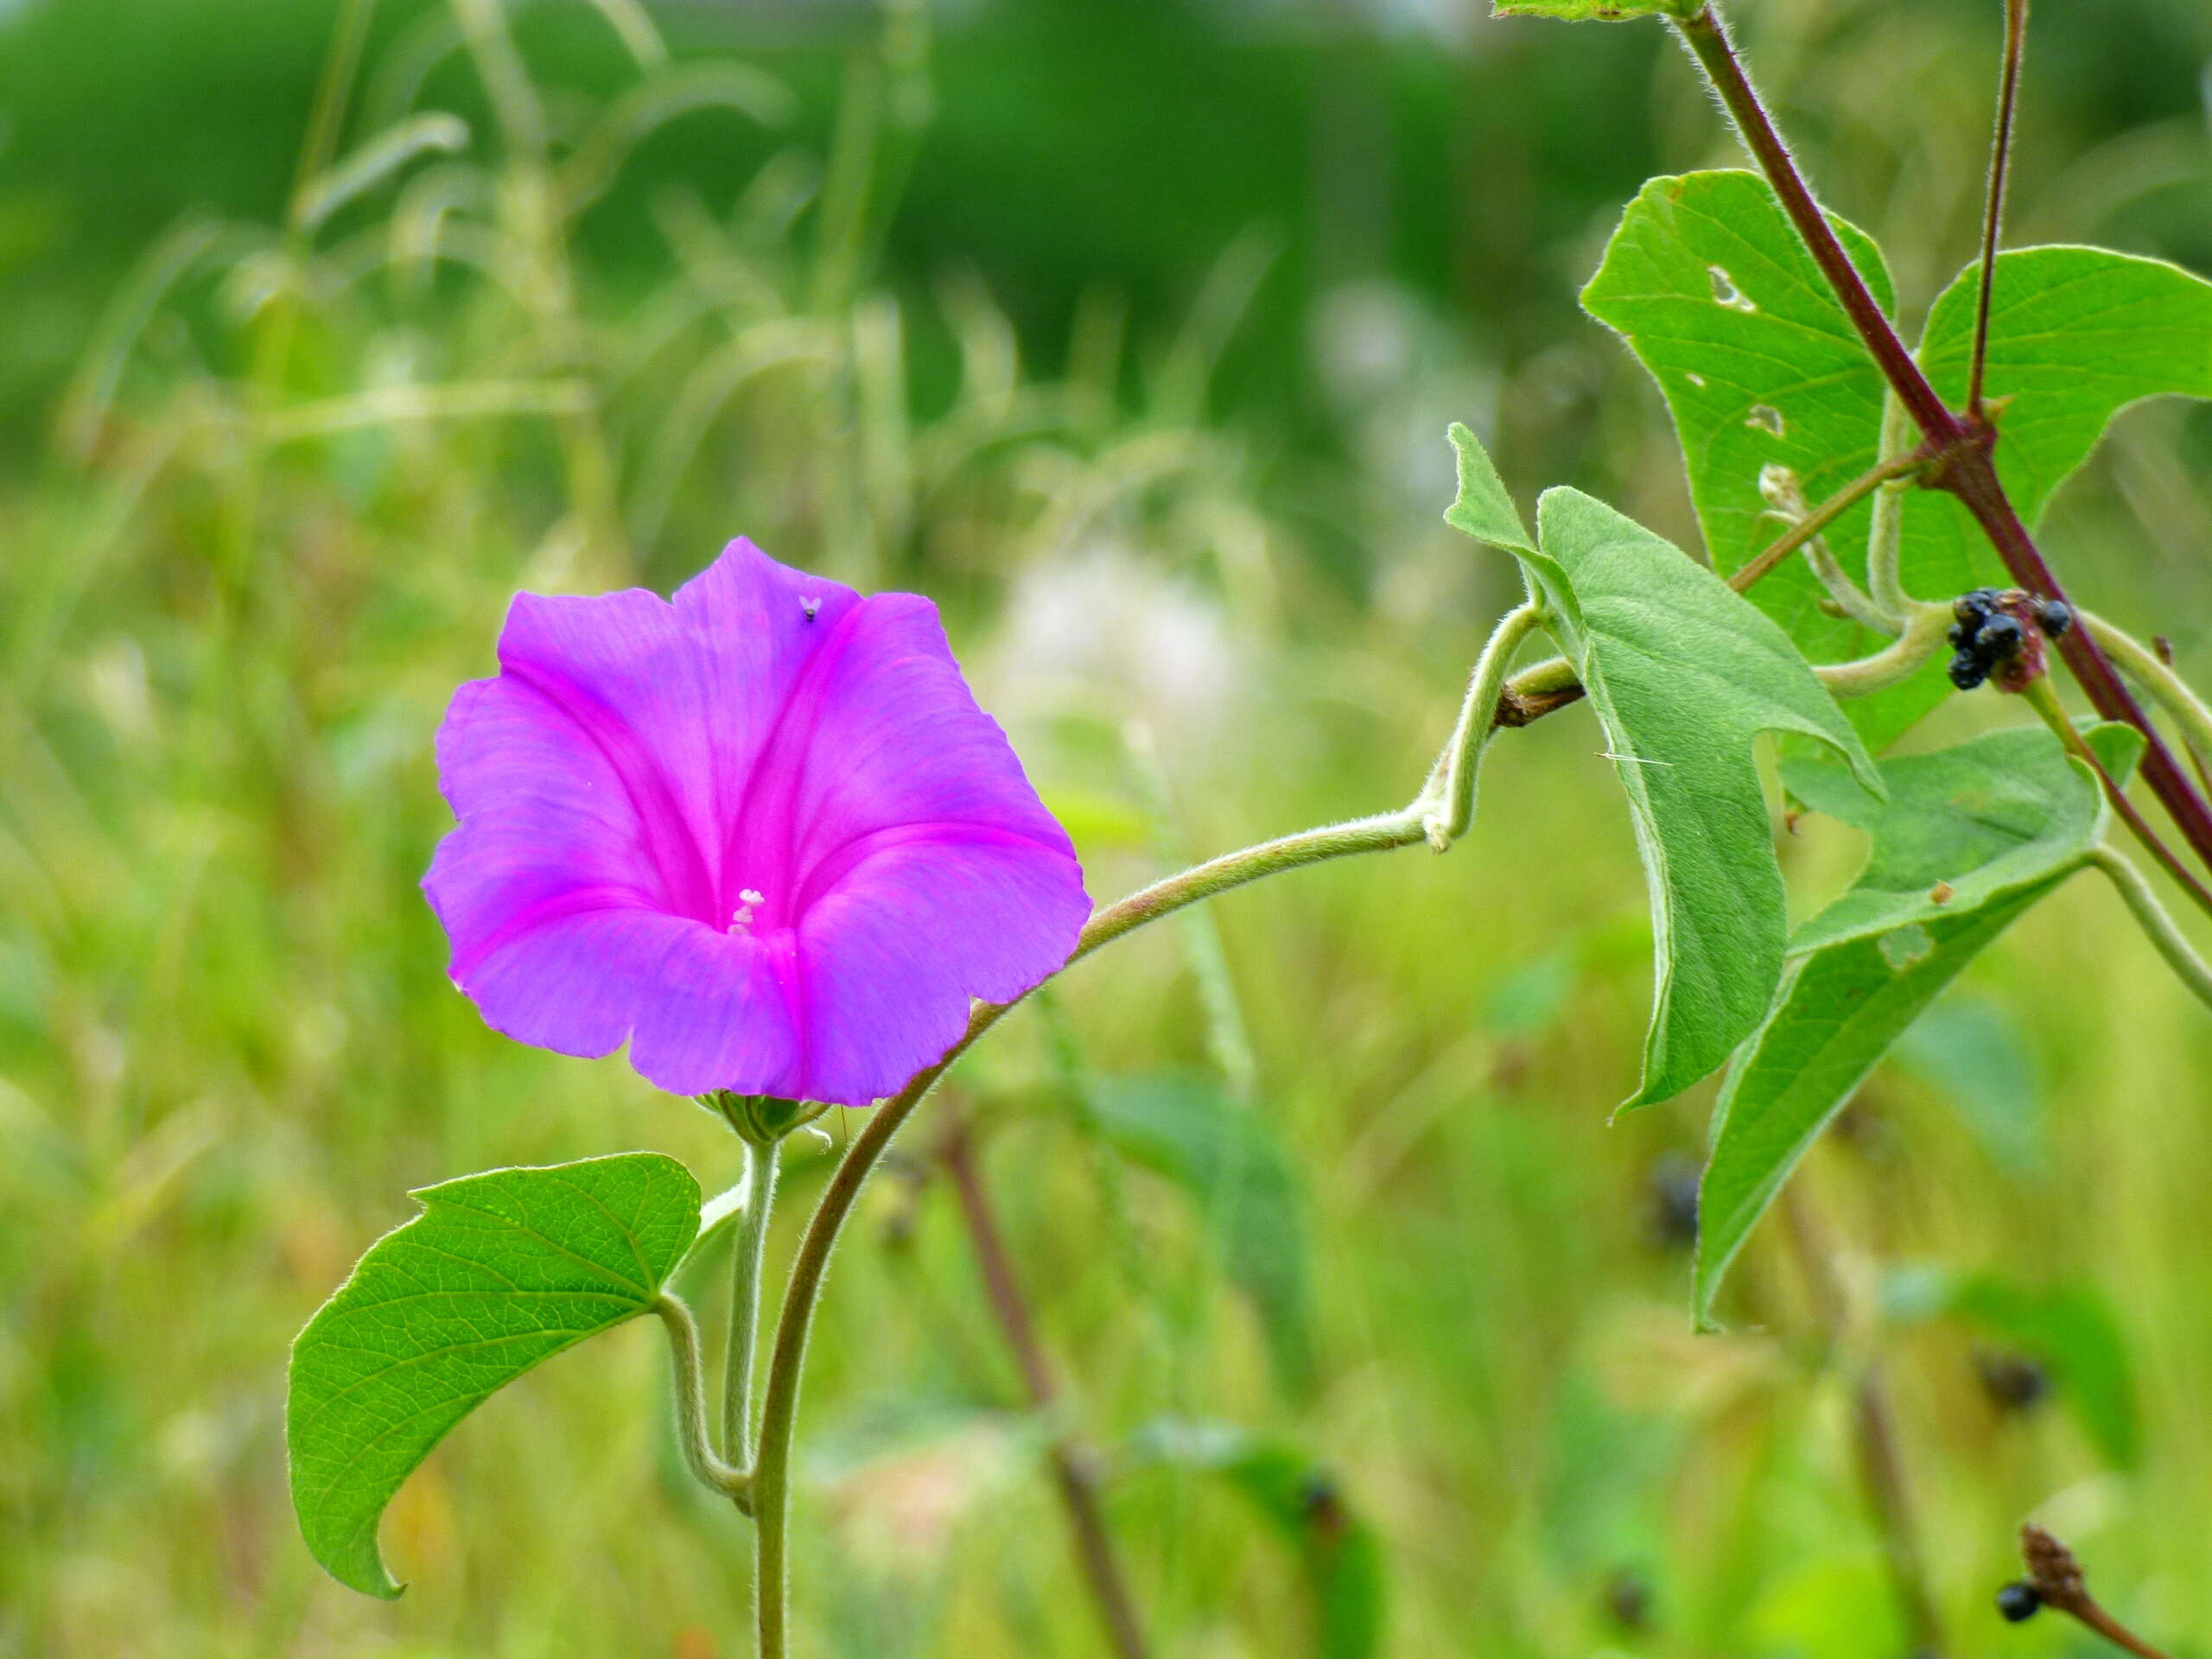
(2157, 926)
(1845, 596)
(1451, 787)
(1924, 629)
(748, 1251)
(706, 1465)
(2156, 676)
(1885, 540)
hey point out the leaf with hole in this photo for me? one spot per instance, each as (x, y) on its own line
(500, 1271)
(1760, 367)
(1683, 674)
(1968, 840)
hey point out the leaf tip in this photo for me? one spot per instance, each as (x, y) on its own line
(1484, 507)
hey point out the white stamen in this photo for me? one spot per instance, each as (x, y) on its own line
(741, 921)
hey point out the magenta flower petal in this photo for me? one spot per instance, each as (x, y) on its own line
(762, 833)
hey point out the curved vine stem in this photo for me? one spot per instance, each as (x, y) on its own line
(2151, 671)
(1923, 633)
(705, 1464)
(1451, 783)
(2157, 926)
(1813, 522)
(1885, 537)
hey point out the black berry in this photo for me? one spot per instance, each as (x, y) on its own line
(2056, 617)
(1998, 638)
(2018, 1601)
(1670, 1191)
(1960, 634)
(1970, 608)
(1967, 671)
(2013, 1381)
(1628, 1599)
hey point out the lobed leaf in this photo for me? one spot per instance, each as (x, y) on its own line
(1683, 674)
(1186, 1128)
(1709, 286)
(1968, 841)
(500, 1271)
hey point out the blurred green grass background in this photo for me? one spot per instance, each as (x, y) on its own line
(1128, 333)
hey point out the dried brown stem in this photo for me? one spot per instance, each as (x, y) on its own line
(1074, 1467)
(1873, 1427)
(2056, 1577)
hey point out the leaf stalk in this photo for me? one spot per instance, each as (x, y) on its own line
(1809, 526)
(2157, 926)
(706, 1463)
(1450, 791)
(748, 1253)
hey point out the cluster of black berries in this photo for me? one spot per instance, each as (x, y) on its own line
(1989, 632)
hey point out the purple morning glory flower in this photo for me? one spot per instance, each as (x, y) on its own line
(761, 832)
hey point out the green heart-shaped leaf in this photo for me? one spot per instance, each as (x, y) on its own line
(1683, 674)
(500, 1271)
